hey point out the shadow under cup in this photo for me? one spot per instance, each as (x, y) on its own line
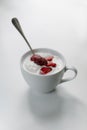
(46, 83)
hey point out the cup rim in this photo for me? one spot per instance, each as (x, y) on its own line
(40, 50)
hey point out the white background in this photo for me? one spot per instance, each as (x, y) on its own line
(55, 24)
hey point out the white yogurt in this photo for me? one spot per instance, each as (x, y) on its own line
(34, 68)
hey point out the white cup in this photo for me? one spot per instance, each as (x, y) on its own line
(46, 83)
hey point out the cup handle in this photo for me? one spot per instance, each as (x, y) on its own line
(70, 78)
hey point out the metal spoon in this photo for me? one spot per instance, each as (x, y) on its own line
(18, 27)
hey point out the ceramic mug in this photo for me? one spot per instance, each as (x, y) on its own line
(46, 83)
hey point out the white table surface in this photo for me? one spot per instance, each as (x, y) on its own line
(46, 23)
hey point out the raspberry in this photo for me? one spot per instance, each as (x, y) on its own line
(45, 70)
(34, 57)
(39, 60)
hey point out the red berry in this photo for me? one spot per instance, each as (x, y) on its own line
(54, 65)
(51, 64)
(45, 70)
(39, 60)
(34, 57)
(49, 58)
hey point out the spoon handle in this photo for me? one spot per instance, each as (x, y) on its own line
(18, 27)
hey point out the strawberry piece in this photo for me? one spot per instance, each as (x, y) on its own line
(49, 58)
(51, 64)
(54, 65)
(45, 70)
